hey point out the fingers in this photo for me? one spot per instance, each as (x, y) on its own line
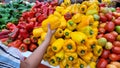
(53, 31)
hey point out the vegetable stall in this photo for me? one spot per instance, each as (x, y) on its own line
(87, 33)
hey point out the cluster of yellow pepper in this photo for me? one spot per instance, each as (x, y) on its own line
(74, 43)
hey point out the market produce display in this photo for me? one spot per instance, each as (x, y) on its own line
(87, 33)
(108, 37)
(12, 11)
(20, 34)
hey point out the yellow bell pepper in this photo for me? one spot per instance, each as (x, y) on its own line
(80, 64)
(83, 8)
(95, 24)
(82, 50)
(95, 32)
(56, 13)
(92, 64)
(71, 25)
(79, 37)
(69, 46)
(77, 18)
(60, 55)
(46, 57)
(67, 10)
(57, 45)
(67, 33)
(84, 22)
(67, 2)
(74, 8)
(88, 31)
(37, 32)
(59, 33)
(59, 9)
(91, 43)
(86, 3)
(52, 20)
(43, 35)
(93, 6)
(87, 57)
(53, 61)
(71, 57)
(39, 41)
(52, 39)
(95, 58)
(97, 50)
(63, 23)
(49, 51)
(64, 64)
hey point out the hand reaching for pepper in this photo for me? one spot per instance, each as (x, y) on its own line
(49, 33)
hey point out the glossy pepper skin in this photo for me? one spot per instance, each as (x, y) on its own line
(97, 50)
(60, 55)
(83, 8)
(57, 45)
(63, 23)
(23, 47)
(50, 52)
(59, 33)
(71, 25)
(71, 57)
(81, 50)
(77, 18)
(64, 64)
(37, 32)
(52, 20)
(87, 57)
(69, 46)
(84, 22)
(80, 64)
(53, 61)
(67, 33)
(79, 38)
(88, 31)
(92, 64)
(91, 44)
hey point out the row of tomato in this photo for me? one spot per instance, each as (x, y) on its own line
(109, 38)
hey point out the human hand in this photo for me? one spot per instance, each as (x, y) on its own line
(49, 33)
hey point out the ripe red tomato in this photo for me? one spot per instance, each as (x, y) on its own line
(113, 57)
(114, 33)
(101, 30)
(102, 17)
(109, 37)
(109, 16)
(117, 21)
(105, 53)
(109, 26)
(116, 49)
(102, 63)
(100, 36)
(116, 43)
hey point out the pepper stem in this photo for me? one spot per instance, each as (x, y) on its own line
(69, 46)
(71, 58)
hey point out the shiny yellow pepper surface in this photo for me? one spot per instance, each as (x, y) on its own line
(69, 46)
(98, 50)
(57, 45)
(71, 57)
(53, 61)
(81, 50)
(67, 33)
(60, 55)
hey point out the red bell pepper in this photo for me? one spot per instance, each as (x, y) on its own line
(27, 41)
(16, 43)
(24, 33)
(22, 25)
(11, 26)
(4, 32)
(32, 47)
(23, 47)
(41, 17)
(14, 33)
(34, 39)
(30, 26)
